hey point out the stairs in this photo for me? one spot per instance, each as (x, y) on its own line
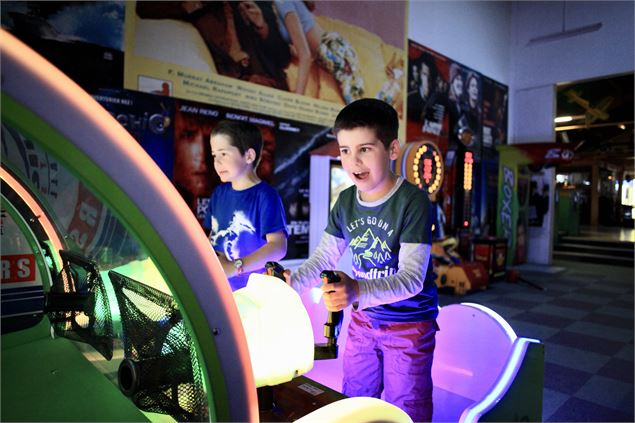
(590, 250)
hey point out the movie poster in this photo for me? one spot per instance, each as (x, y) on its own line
(241, 55)
(83, 39)
(148, 118)
(494, 113)
(465, 109)
(427, 96)
(295, 141)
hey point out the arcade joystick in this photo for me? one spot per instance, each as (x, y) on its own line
(332, 326)
(275, 269)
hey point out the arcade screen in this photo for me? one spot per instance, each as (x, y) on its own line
(338, 180)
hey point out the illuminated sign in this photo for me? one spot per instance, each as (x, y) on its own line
(468, 162)
(423, 166)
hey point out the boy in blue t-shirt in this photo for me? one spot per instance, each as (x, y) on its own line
(385, 221)
(245, 215)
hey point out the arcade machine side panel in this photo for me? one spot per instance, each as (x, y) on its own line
(118, 180)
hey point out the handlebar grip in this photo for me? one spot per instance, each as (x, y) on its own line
(275, 269)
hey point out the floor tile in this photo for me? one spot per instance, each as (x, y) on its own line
(575, 304)
(574, 358)
(585, 342)
(528, 296)
(587, 298)
(606, 392)
(550, 320)
(564, 379)
(615, 311)
(618, 369)
(601, 331)
(514, 302)
(607, 320)
(579, 410)
(554, 310)
(551, 402)
(626, 353)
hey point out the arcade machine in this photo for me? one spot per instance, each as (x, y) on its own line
(421, 163)
(516, 162)
(113, 307)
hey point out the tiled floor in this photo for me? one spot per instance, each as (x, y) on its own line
(584, 316)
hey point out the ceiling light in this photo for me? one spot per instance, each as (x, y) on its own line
(622, 127)
(561, 119)
(565, 34)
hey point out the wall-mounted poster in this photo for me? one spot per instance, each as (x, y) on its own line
(148, 118)
(242, 55)
(494, 113)
(465, 108)
(427, 96)
(83, 39)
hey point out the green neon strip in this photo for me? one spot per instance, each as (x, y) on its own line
(31, 239)
(133, 219)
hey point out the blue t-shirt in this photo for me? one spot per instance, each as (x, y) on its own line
(374, 236)
(240, 221)
(307, 21)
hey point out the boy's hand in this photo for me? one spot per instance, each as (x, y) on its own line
(287, 276)
(339, 295)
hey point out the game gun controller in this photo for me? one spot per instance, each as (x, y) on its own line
(333, 325)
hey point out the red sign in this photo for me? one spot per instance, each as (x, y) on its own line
(18, 268)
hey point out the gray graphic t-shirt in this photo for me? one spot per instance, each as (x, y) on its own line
(374, 233)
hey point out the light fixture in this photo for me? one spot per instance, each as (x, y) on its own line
(565, 34)
(622, 127)
(561, 119)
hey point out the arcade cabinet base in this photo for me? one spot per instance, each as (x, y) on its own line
(297, 398)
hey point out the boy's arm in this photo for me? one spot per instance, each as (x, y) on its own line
(408, 281)
(325, 257)
(275, 249)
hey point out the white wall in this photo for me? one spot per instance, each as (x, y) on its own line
(474, 33)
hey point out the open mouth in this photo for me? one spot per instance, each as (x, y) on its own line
(360, 176)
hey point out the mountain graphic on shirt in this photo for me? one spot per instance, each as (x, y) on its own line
(373, 249)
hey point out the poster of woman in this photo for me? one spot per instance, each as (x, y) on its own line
(298, 60)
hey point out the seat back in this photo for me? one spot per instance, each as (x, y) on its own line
(472, 348)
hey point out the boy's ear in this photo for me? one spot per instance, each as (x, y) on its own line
(394, 149)
(250, 155)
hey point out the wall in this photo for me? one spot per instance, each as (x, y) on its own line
(474, 33)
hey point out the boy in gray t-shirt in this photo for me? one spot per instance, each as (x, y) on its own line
(385, 221)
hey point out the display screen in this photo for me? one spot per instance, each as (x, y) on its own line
(338, 180)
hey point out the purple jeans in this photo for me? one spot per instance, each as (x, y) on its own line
(393, 357)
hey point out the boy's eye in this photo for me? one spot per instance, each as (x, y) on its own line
(365, 149)
(344, 151)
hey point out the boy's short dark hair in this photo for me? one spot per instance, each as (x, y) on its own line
(242, 135)
(371, 113)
